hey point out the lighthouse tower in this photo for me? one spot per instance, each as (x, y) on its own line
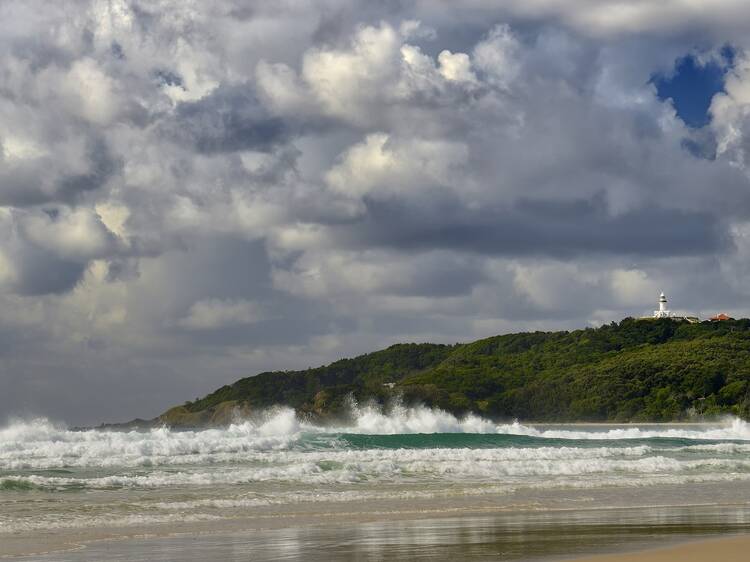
(662, 312)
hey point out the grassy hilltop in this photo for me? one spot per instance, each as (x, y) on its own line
(636, 370)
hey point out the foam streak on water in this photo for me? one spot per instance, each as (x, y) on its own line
(117, 478)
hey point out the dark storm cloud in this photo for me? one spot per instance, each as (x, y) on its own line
(442, 279)
(102, 165)
(227, 120)
(562, 229)
(42, 272)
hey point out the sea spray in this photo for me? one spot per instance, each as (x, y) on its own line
(396, 418)
(41, 444)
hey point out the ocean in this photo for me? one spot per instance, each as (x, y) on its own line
(387, 471)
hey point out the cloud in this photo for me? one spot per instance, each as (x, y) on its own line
(497, 54)
(377, 71)
(89, 93)
(345, 81)
(362, 274)
(629, 286)
(380, 166)
(536, 228)
(609, 17)
(212, 314)
(66, 170)
(456, 67)
(189, 194)
(69, 233)
(227, 120)
(8, 275)
(48, 251)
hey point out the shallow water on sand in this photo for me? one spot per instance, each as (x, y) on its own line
(519, 536)
(405, 464)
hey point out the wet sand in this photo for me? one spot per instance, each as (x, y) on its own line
(422, 533)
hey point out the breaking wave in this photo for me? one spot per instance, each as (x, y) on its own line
(40, 444)
(462, 466)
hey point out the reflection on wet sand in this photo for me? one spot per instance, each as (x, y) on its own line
(511, 536)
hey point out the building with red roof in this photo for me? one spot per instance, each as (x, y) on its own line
(721, 317)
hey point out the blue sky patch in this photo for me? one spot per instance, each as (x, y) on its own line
(692, 86)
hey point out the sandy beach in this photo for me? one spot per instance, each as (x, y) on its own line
(729, 549)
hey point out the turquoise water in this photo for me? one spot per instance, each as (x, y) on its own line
(492, 441)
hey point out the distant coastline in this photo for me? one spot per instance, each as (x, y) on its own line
(631, 371)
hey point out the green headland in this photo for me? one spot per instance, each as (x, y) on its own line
(636, 370)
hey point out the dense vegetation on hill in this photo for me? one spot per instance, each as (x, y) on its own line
(637, 370)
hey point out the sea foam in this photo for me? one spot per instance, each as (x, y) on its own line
(42, 444)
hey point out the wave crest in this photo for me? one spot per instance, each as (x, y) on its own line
(40, 443)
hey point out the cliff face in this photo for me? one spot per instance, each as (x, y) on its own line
(632, 371)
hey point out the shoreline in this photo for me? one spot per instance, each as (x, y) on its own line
(621, 548)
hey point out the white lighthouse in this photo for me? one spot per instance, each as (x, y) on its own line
(662, 312)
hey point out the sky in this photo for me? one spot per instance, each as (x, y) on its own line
(192, 192)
